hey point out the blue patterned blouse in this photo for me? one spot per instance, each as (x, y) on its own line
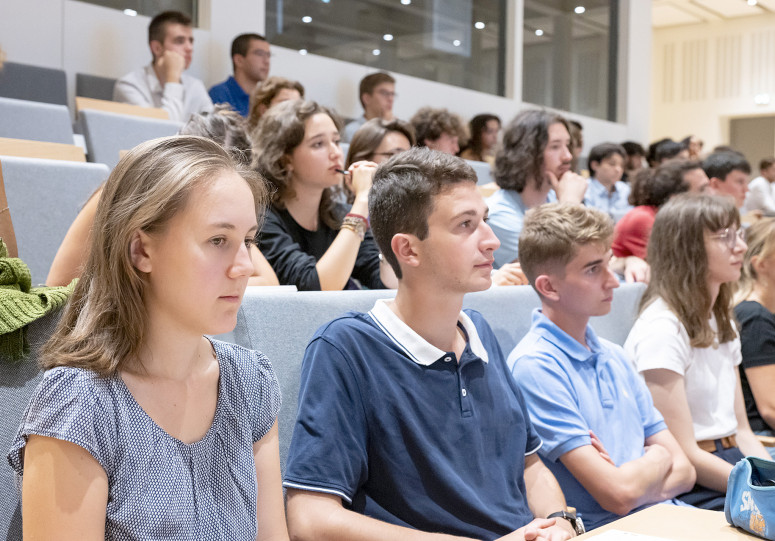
(160, 487)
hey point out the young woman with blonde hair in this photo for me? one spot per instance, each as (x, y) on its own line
(142, 427)
(754, 311)
(685, 343)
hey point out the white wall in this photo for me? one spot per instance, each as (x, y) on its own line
(81, 37)
(706, 73)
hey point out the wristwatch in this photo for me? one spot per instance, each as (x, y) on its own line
(576, 523)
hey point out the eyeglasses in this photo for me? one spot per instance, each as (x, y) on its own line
(263, 54)
(730, 236)
(386, 93)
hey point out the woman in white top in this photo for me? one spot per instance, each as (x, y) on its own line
(685, 342)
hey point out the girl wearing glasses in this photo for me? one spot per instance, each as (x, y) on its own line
(754, 312)
(379, 140)
(311, 239)
(685, 343)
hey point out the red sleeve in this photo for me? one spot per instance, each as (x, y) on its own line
(631, 236)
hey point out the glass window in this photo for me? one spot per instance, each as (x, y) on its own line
(458, 42)
(569, 56)
(150, 7)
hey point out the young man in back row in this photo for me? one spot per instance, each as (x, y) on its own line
(604, 440)
(409, 424)
(163, 83)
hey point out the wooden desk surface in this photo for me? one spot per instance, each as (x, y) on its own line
(676, 523)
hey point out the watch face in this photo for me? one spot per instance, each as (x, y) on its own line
(578, 525)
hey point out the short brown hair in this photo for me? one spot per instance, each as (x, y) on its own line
(520, 157)
(372, 81)
(369, 136)
(157, 29)
(402, 194)
(241, 44)
(654, 187)
(552, 233)
(430, 123)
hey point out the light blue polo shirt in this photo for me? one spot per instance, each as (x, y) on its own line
(571, 390)
(506, 216)
(614, 203)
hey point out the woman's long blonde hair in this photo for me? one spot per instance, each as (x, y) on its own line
(760, 238)
(104, 322)
(679, 265)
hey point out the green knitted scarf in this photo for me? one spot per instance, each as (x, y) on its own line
(20, 304)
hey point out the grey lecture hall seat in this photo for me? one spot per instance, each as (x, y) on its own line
(17, 381)
(107, 134)
(33, 83)
(281, 323)
(483, 172)
(44, 197)
(22, 119)
(94, 86)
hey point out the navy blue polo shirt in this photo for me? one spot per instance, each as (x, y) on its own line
(406, 434)
(231, 92)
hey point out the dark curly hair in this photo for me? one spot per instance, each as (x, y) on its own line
(520, 156)
(430, 123)
(654, 187)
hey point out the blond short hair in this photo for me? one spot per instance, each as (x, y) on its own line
(552, 234)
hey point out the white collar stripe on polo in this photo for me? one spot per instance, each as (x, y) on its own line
(414, 345)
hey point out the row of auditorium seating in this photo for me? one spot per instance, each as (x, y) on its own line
(107, 127)
(49, 85)
(280, 324)
(44, 197)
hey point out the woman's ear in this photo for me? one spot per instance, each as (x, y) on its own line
(139, 251)
(287, 163)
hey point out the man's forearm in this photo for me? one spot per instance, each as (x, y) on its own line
(317, 516)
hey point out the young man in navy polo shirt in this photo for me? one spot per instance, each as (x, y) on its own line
(604, 440)
(409, 424)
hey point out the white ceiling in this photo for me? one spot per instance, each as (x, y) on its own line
(679, 12)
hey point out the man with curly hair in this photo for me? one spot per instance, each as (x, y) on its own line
(533, 167)
(439, 129)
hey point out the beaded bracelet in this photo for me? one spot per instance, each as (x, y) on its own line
(356, 224)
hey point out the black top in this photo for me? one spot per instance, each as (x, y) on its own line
(757, 338)
(293, 252)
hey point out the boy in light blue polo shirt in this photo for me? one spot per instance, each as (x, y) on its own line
(604, 440)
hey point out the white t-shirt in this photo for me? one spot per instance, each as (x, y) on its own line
(659, 340)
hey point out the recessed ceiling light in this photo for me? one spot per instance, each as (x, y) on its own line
(456, 43)
(376, 52)
(752, 2)
(388, 37)
(302, 51)
(406, 2)
(479, 25)
(539, 32)
(306, 19)
(579, 9)
(130, 12)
